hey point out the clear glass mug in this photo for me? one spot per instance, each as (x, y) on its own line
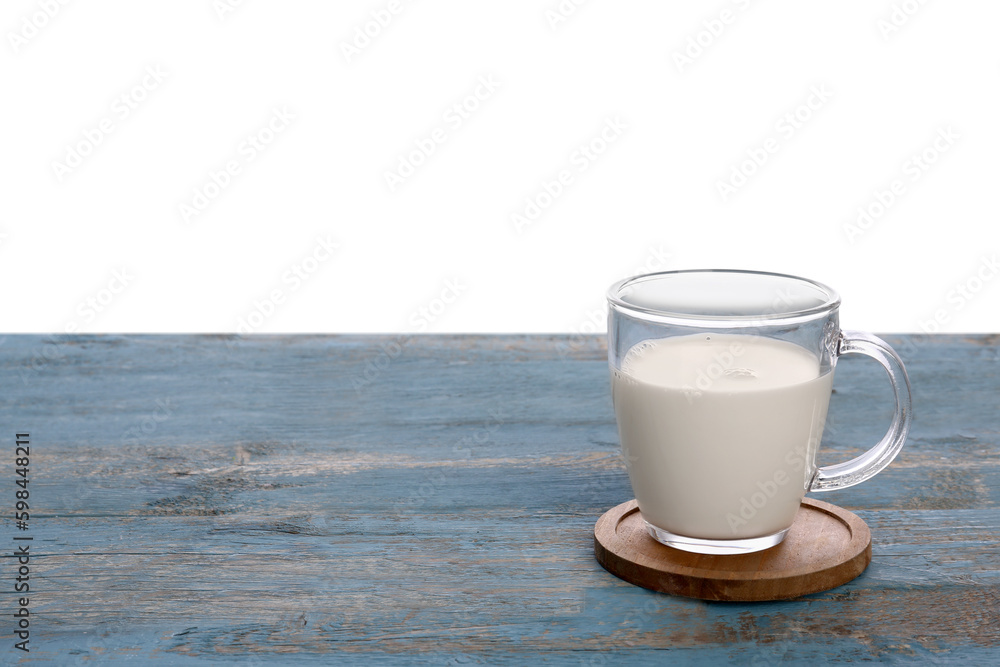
(721, 381)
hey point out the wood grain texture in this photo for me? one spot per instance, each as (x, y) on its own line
(431, 500)
(827, 546)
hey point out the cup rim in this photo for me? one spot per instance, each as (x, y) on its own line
(831, 303)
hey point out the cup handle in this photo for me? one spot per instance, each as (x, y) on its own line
(873, 461)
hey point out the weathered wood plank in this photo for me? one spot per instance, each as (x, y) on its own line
(201, 498)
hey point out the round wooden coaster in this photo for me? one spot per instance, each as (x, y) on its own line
(826, 546)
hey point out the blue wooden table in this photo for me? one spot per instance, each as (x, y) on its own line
(431, 500)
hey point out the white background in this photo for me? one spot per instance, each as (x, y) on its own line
(897, 73)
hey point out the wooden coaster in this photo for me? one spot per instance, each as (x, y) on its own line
(826, 546)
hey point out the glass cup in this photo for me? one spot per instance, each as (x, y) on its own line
(721, 381)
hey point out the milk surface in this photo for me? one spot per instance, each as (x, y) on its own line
(719, 432)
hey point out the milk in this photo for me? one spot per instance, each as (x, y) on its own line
(719, 432)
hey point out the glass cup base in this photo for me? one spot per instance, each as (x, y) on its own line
(715, 547)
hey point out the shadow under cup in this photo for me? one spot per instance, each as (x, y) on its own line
(721, 382)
